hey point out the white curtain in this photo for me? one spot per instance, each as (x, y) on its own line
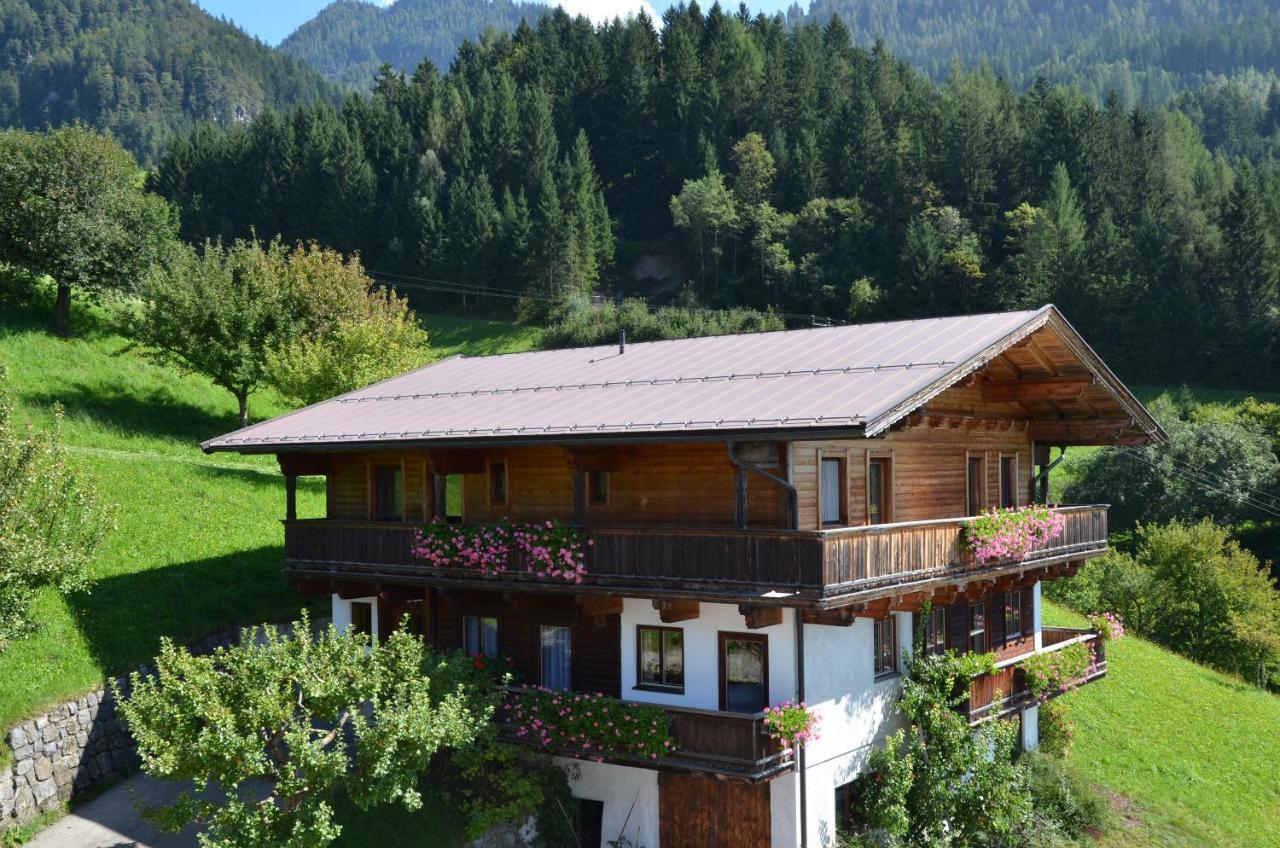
(556, 657)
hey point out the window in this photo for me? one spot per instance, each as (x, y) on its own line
(362, 617)
(588, 821)
(479, 636)
(935, 635)
(1008, 481)
(846, 815)
(831, 493)
(498, 483)
(744, 672)
(978, 628)
(878, 491)
(886, 646)
(556, 657)
(1012, 615)
(661, 658)
(388, 493)
(598, 487)
(977, 485)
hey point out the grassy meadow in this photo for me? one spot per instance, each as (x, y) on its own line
(1187, 755)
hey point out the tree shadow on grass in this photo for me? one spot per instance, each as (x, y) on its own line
(123, 617)
(154, 411)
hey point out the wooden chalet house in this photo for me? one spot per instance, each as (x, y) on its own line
(767, 515)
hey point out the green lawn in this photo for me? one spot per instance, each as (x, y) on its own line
(451, 335)
(1192, 755)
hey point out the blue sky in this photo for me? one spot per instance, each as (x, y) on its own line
(272, 20)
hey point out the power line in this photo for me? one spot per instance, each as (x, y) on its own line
(1204, 478)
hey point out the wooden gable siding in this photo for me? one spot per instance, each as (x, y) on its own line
(690, 484)
(697, 812)
(595, 647)
(928, 464)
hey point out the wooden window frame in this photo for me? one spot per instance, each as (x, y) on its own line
(674, 689)
(722, 638)
(842, 462)
(972, 631)
(886, 484)
(491, 480)
(929, 632)
(371, 488)
(984, 496)
(1014, 595)
(365, 605)
(889, 623)
(593, 475)
(1017, 473)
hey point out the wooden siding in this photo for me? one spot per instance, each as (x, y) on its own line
(664, 484)
(697, 812)
(928, 464)
(595, 646)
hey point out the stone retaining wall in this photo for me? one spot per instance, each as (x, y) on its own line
(72, 748)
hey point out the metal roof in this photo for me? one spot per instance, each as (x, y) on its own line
(853, 378)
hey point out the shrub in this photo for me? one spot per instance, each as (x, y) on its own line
(1061, 796)
(1052, 672)
(1057, 730)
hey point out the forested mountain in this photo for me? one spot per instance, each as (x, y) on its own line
(798, 171)
(142, 69)
(350, 39)
(1141, 49)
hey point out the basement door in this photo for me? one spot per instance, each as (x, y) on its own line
(702, 812)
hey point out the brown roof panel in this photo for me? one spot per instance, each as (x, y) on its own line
(832, 378)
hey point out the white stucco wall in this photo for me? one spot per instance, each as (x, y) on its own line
(858, 711)
(630, 797)
(342, 612)
(702, 654)
(1035, 615)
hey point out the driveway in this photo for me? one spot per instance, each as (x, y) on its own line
(112, 821)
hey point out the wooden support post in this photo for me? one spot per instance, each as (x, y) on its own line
(579, 497)
(291, 497)
(740, 498)
(672, 611)
(439, 494)
(758, 617)
(839, 617)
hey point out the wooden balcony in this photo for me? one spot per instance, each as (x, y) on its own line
(735, 745)
(1005, 692)
(813, 565)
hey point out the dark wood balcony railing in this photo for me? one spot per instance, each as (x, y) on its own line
(805, 563)
(1005, 691)
(706, 741)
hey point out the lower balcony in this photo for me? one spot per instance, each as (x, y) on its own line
(720, 744)
(1005, 691)
(821, 566)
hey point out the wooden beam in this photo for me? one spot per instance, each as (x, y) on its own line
(310, 586)
(976, 589)
(1033, 389)
(911, 602)
(673, 611)
(397, 595)
(758, 617)
(878, 608)
(303, 464)
(943, 596)
(600, 607)
(347, 591)
(1086, 431)
(839, 617)
(457, 461)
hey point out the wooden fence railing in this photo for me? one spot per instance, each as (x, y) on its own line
(805, 562)
(1005, 691)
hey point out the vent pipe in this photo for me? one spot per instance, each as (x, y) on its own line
(622, 340)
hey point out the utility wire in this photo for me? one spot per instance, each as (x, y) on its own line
(1202, 478)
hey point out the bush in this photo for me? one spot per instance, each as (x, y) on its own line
(1057, 730)
(1061, 797)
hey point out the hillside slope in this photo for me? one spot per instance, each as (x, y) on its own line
(1188, 755)
(348, 40)
(1145, 51)
(143, 69)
